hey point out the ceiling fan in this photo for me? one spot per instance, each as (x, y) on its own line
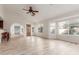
(31, 11)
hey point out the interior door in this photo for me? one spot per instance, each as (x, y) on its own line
(1, 24)
(28, 29)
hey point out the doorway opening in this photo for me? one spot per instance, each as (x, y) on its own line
(28, 29)
(16, 29)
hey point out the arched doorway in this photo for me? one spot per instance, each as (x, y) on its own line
(16, 29)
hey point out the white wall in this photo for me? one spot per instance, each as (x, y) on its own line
(1, 11)
(70, 38)
(11, 21)
(13, 16)
(45, 30)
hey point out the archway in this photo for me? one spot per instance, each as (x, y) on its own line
(16, 29)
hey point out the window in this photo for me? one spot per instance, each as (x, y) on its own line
(68, 27)
(52, 28)
(63, 27)
(40, 28)
(74, 28)
(17, 29)
(32, 29)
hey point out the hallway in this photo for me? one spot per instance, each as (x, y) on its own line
(37, 46)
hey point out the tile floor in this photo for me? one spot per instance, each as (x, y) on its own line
(37, 46)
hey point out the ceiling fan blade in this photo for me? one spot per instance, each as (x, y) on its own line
(33, 14)
(25, 10)
(35, 11)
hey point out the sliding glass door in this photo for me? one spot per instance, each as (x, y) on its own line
(66, 27)
(63, 27)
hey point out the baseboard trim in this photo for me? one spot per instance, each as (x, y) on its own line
(56, 39)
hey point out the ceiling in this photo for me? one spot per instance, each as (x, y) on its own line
(46, 11)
